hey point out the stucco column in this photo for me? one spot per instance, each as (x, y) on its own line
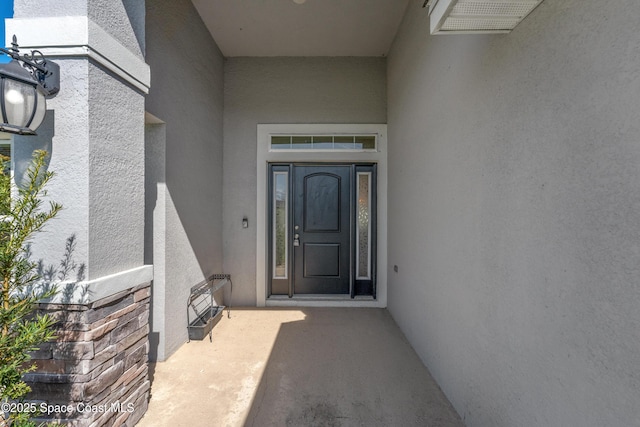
(94, 132)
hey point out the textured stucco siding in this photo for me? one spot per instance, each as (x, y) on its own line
(94, 132)
(47, 8)
(116, 175)
(122, 19)
(64, 135)
(514, 195)
(129, 31)
(283, 90)
(187, 95)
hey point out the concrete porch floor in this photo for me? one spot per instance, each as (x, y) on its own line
(298, 367)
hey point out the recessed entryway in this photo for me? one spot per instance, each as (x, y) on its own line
(321, 215)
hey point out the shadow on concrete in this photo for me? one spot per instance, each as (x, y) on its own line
(298, 367)
(343, 367)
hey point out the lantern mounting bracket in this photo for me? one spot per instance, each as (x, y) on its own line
(46, 73)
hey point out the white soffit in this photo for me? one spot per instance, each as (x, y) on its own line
(302, 28)
(478, 16)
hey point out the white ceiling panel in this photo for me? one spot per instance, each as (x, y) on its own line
(313, 28)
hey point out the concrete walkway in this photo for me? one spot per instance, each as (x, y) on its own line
(298, 367)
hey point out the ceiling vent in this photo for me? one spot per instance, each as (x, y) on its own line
(477, 16)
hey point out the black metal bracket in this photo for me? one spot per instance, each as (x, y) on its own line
(45, 72)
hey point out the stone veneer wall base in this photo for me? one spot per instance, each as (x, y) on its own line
(97, 367)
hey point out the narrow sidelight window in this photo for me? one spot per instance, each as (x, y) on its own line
(280, 224)
(363, 234)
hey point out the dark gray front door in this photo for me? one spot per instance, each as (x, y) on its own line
(322, 237)
(321, 229)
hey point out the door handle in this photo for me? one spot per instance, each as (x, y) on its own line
(296, 238)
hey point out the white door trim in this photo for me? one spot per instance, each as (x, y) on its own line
(264, 157)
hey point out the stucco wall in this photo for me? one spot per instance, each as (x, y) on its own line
(94, 132)
(106, 13)
(187, 95)
(130, 31)
(64, 135)
(122, 19)
(46, 8)
(99, 172)
(283, 90)
(514, 194)
(115, 175)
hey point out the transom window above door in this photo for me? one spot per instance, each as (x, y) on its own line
(323, 143)
(300, 167)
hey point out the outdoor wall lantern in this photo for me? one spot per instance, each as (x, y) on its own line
(25, 82)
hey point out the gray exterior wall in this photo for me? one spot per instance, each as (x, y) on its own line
(46, 8)
(115, 175)
(69, 158)
(283, 90)
(99, 167)
(129, 32)
(106, 13)
(514, 194)
(187, 95)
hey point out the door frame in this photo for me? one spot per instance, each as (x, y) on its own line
(266, 156)
(287, 283)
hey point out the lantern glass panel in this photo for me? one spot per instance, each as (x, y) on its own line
(41, 109)
(19, 101)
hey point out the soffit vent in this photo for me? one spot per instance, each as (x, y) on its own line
(477, 16)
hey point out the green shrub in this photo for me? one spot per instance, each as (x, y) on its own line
(22, 214)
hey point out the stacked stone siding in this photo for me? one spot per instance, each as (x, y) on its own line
(97, 368)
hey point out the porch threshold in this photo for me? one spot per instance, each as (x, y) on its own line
(320, 300)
